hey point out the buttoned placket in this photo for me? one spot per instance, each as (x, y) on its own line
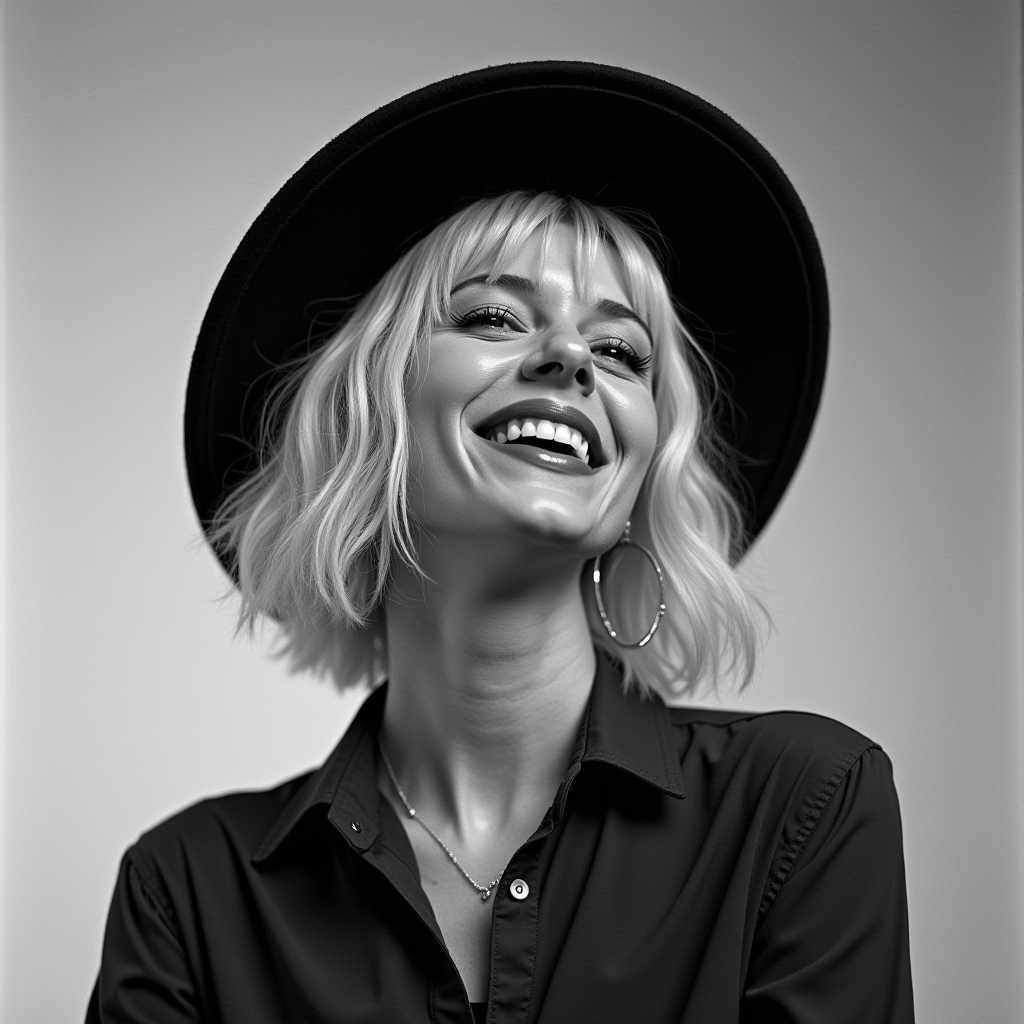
(617, 730)
(515, 915)
(514, 918)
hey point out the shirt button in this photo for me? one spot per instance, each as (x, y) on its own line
(356, 826)
(519, 889)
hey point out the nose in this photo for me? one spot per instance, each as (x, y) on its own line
(562, 359)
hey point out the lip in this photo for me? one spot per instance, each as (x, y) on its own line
(541, 457)
(546, 409)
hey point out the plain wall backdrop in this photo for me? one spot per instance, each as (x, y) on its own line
(141, 141)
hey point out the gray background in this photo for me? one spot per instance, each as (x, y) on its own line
(142, 138)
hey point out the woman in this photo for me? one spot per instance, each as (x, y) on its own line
(496, 483)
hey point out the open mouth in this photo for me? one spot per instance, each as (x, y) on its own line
(551, 436)
(549, 426)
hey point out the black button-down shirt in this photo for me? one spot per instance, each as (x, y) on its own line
(696, 866)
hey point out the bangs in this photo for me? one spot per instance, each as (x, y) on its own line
(488, 236)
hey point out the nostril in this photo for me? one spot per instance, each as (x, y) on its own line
(550, 368)
(581, 376)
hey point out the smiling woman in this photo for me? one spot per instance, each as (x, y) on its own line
(441, 500)
(524, 321)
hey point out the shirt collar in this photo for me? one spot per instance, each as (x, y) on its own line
(630, 732)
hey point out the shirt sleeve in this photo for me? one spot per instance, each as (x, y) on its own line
(833, 945)
(144, 975)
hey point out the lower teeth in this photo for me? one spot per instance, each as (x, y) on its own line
(492, 436)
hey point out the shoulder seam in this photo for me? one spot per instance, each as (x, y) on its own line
(155, 892)
(731, 717)
(824, 797)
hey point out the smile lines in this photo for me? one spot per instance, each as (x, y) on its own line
(542, 433)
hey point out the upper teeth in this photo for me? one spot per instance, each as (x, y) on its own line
(546, 430)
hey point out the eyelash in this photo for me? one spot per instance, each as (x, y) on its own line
(478, 316)
(637, 363)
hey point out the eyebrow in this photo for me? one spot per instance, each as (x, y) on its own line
(510, 282)
(617, 311)
(524, 286)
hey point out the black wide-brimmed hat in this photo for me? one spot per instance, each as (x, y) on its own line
(745, 265)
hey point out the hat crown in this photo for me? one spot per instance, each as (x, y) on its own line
(745, 266)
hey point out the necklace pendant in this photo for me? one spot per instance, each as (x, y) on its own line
(485, 894)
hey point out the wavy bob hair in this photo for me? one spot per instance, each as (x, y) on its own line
(314, 530)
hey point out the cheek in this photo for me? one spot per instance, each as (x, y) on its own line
(432, 398)
(433, 420)
(636, 424)
(453, 372)
(451, 375)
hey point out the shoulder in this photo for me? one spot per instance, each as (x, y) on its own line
(783, 767)
(218, 832)
(809, 780)
(768, 742)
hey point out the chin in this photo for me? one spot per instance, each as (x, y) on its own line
(553, 523)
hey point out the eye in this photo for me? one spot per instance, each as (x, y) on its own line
(497, 319)
(618, 351)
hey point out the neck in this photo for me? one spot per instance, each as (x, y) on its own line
(490, 669)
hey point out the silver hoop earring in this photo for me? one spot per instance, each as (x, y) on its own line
(624, 541)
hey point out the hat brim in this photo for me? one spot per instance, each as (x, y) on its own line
(745, 263)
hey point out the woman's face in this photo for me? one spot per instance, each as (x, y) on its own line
(532, 414)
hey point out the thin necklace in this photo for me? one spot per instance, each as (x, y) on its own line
(484, 890)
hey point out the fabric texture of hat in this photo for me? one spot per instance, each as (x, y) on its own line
(744, 266)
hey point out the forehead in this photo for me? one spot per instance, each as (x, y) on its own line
(561, 259)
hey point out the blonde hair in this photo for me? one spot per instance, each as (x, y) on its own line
(312, 532)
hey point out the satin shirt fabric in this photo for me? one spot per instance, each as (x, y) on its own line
(696, 866)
